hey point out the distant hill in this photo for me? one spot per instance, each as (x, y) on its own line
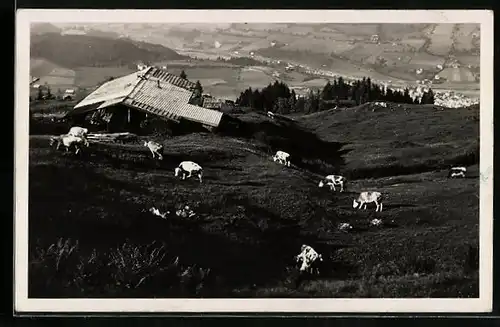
(43, 28)
(73, 51)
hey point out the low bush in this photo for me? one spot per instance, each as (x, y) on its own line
(62, 270)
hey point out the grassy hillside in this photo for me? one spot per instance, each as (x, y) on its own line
(399, 139)
(72, 51)
(254, 214)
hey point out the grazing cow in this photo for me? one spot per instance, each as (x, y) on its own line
(68, 141)
(308, 256)
(155, 148)
(344, 227)
(368, 197)
(332, 180)
(190, 168)
(79, 132)
(457, 172)
(282, 157)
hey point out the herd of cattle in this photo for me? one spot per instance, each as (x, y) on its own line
(76, 139)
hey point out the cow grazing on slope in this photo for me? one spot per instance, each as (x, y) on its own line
(332, 180)
(79, 132)
(155, 148)
(68, 141)
(282, 157)
(189, 167)
(308, 257)
(368, 197)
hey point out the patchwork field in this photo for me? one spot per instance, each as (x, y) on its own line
(426, 61)
(228, 82)
(458, 75)
(343, 49)
(469, 60)
(58, 77)
(464, 37)
(441, 39)
(253, 214)
(92, 76)
(322, 46)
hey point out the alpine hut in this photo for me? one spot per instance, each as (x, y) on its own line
(128, 103)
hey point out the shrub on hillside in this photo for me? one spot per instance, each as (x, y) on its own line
(128, 270)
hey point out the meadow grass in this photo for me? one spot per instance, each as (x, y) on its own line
(91, 234)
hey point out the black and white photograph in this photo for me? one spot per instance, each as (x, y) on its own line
(254, 161)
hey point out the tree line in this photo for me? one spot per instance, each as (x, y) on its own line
(278, 97)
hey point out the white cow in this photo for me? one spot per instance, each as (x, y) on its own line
(282, 157)
(368, 197)
(79, 132)
(155, 148)
(344, 227)
(332, 180)
(308, 256)
(68, 141)
(457, 172)
(190, 168)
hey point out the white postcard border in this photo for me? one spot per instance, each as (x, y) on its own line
(27, 16)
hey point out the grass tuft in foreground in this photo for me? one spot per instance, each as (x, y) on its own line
(127, 270)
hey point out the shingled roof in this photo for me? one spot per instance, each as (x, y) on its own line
(152, 90)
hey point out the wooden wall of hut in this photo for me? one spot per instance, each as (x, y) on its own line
(125, 119)
(231, 126)
(186, 127)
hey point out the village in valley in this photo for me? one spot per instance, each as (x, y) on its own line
(239, 160)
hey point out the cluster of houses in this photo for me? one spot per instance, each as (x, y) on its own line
(45, 92)
(450, 99)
